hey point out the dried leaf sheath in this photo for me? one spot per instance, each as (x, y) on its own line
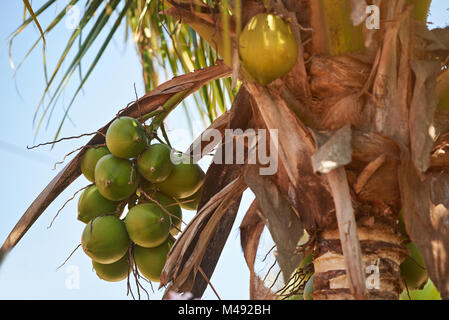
(250, 231)
(181, 268)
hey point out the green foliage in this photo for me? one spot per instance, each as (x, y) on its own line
(165, 46)
(429, 292)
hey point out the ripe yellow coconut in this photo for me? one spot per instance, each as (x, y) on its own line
(267, 48)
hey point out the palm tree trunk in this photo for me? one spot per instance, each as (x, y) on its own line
(382, 253)
(339, 82)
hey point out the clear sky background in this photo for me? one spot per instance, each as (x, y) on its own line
(29, 271)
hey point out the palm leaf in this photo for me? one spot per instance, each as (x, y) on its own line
(34, 17)
(84, 20)
(93, 34)
(164, 45)
(48, 29)
(94, 63)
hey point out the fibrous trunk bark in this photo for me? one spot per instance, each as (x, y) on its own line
(382, 254)
(374, 91)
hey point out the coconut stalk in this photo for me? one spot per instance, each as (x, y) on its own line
(443, 91)
(421, 9)
(167, 107)
(335, 33)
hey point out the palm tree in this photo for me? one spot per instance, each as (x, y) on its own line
(362, 127)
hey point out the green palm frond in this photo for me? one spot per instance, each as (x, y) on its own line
(34, 17)
(166, 48)
(91, 37)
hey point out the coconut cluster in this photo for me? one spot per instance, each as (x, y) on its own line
(132, 211)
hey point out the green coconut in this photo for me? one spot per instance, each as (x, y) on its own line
(90, 159)
(184, 181)
(151, 261)
(293, 281)
(113, 178)
(413, 269)
(154, 164)
(92, 204)
(401, 224)
(307, 260)
(147, 225)
(191, 203)
(105, 239)
(126, 138)
(429, 292)
(308, 289)
(113, 272)
(168, 202)
(267, 48)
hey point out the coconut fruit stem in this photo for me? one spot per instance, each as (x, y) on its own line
(164, 209)
(68, 258)
(150, 114)
(167, 107)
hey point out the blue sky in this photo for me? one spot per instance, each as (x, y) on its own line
(29, 272)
